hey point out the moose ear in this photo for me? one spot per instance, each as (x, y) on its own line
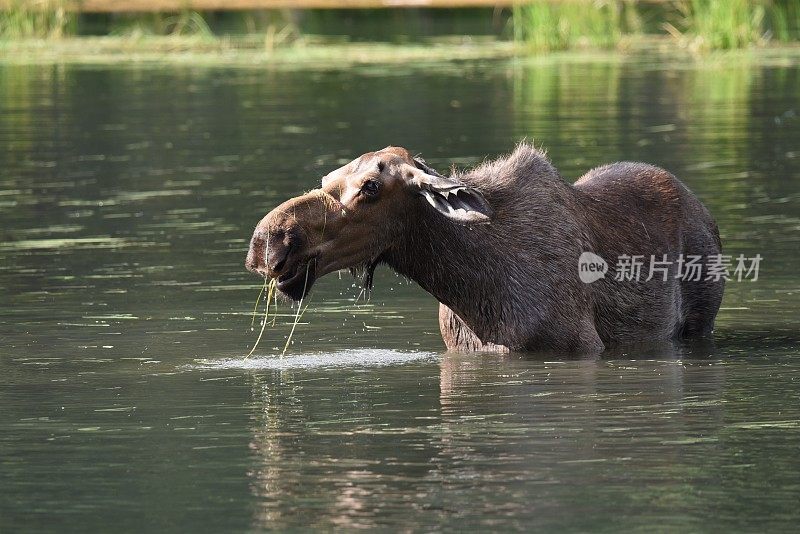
(454, 200)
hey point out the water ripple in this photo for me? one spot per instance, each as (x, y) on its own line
(345, 358)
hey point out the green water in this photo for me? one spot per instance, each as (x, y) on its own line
(127, 199)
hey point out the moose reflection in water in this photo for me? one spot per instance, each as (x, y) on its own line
(499, 247)
(543, 427)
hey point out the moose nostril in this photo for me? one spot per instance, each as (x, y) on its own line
(280, 263)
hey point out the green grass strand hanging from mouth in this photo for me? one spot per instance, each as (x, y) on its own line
(270, 288)
(299, 314)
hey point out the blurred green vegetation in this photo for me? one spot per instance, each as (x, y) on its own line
(730, 24)
(49, 19)
(186, 23)
(536, 25)
(46, 19)
(545, 26)
(698, 25)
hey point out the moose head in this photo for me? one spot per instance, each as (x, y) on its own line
(360, 212)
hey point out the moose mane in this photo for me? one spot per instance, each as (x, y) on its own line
(526, 166)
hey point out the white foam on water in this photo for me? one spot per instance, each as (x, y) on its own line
(344, 358)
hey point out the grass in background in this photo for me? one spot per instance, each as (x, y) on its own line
(49, 19)
(37, 19)
(185, 23)
(275, 26)
(698, 25)
(732, 24)
(784, 16)
(546, 26)
(278, 27)
(719, 24)
(255, 28)
(538, 25)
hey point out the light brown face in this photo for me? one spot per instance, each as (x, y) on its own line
(360, 211)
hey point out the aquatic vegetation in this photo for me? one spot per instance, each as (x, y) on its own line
(697, 25)
(270, 287)
(47, 19)
(729, 24)
(245, 51)
(39, 19)
(261, 28)
(255, 306)
(298, 315)
(784, 20)
(545, 26)
(711, 24)
(185, 23)
(537, 25)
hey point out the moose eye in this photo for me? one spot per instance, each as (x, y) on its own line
(370, 188)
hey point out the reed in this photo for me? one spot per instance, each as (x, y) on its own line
(698, 25)
(269, 29)
(544, 26)
(719, 25)
(37, 19)
(184, 24)
(734, 24)
(784, 19)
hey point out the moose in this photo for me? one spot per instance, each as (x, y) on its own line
(499, 247)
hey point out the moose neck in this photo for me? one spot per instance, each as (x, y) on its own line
(504, 279)
(468, 270)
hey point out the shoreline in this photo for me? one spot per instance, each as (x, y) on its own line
(315, 52)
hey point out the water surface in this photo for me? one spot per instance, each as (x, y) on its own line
(128, 195)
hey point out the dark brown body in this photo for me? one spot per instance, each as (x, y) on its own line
(506, 274)
(619, 209)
